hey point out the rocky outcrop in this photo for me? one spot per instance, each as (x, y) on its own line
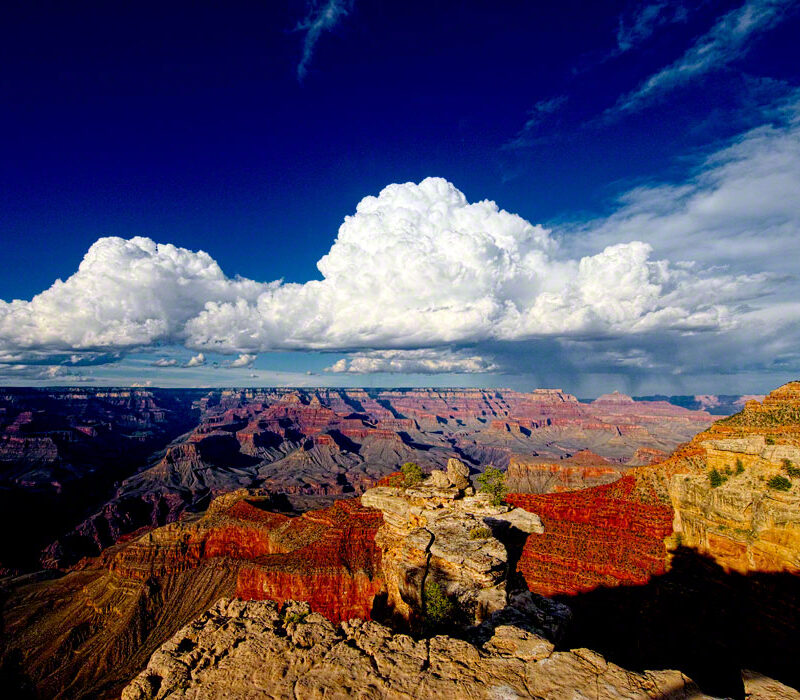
(703, 545)
(737, 498)
(240, 649)
(84, 633)
(747, 517)
(330, 559)
(647, 455)
(441, 532)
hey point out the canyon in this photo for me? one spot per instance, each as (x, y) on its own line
(542, 577)
(106, 463)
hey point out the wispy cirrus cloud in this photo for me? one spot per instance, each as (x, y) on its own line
(26, 373)
(729, 39)
(540, 113)
(321, 16)
(639, 25)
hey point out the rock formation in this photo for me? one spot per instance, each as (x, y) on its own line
(747, 518)
(441, 532)
(669, 564)
(621, 532)
(603, 536)
(85, 633)
(582, 470)
(247, 649)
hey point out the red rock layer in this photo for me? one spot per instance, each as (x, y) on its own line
(337, 571)
(603, 536)
(582, 470)
(326, 557)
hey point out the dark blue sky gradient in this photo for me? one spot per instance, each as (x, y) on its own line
(185, 122)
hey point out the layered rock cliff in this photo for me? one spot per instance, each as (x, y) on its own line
(732, 493)
(740, 502)
(704, 544)
(582, 470)
(84, 634)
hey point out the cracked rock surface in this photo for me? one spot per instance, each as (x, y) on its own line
(256, 649)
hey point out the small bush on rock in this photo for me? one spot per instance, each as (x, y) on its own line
(716, 479)
(480, 533)
(493, 482)
(412, 473)
(779, 483)
(790, 469)
(289, 618)
(440, 611)
(739, 466)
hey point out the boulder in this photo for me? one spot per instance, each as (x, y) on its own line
(438, 479)
(458, 473)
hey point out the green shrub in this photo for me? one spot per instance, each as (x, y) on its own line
(440, 610)
(412, 473)
(779, 483)
(289, 618)
(480, 533)
(739, 466)
(716, 479)
(790, 469)
(770, 440)
(493, 482)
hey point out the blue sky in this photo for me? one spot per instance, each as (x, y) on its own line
(643, 158)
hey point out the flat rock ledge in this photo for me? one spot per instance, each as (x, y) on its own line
(257, 649)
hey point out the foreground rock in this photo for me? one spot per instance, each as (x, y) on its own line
(259, 650)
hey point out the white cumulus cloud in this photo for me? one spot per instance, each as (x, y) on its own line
(125, 294)
(244, 360)
(418, 265)
(165, 362)
(418, 273)
(421, 361)
(197, 360)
